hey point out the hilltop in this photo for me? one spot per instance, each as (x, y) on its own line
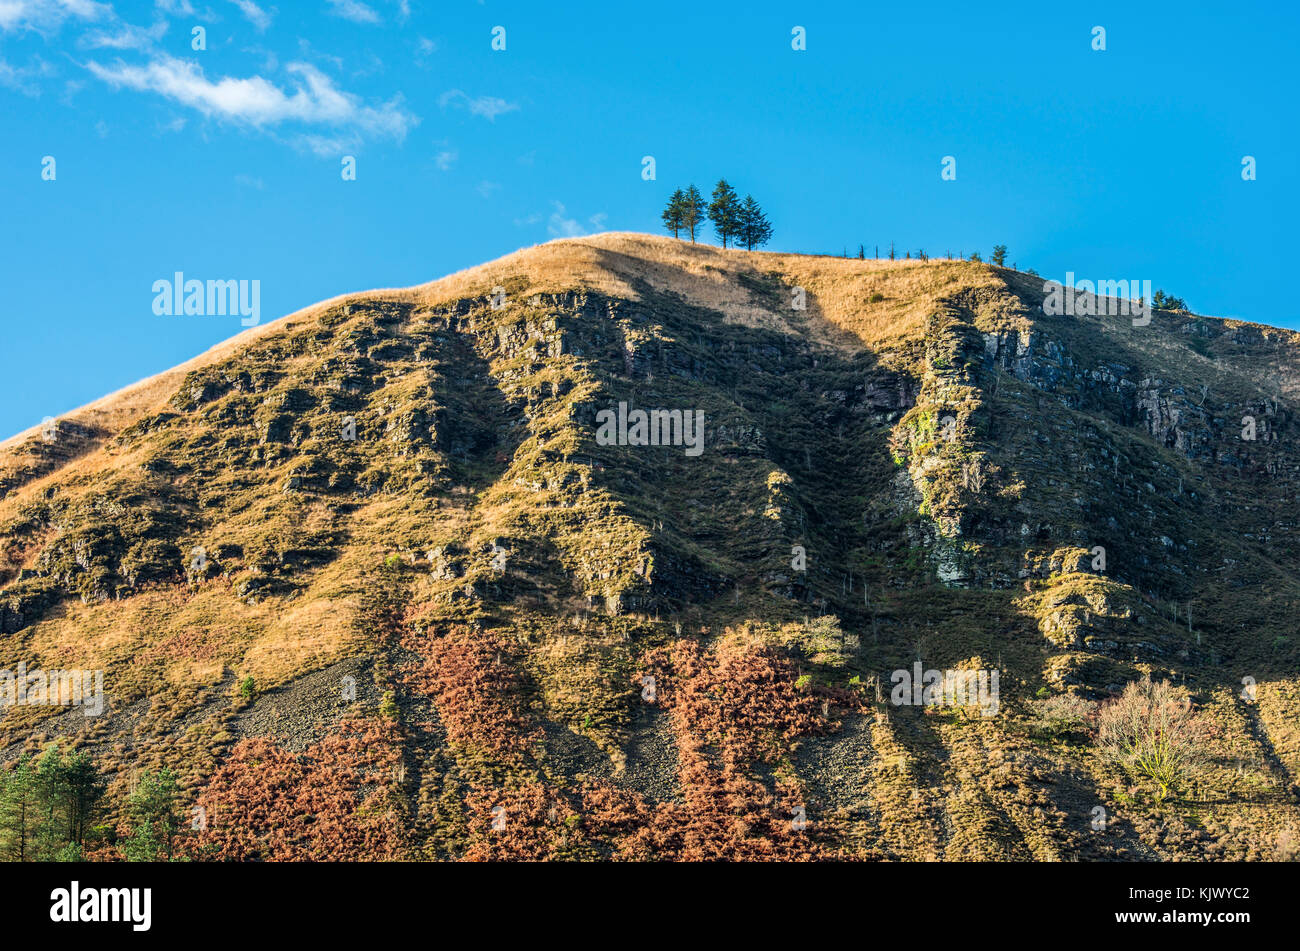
(367, 582)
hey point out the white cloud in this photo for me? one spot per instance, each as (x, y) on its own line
(311, 54)
(254, 14)
(425, 48)
(353, 10)
(124, 36)
(373, 66)
(48, 15)
(559, 226)
(270, 62)
(489, 107)
(488, 189)
(326, 146)
(183, 8)
(23, 79)
(257, 101)
(447, 159)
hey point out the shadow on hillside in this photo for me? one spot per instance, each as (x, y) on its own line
(775, 407)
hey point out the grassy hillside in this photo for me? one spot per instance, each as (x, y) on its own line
(366, 582)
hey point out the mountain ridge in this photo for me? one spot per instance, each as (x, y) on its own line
(596, 241)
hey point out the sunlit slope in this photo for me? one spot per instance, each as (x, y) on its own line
(390, 512)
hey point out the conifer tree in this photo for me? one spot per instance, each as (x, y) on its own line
(724, 211)
(692, 210)
(754, 229)
(82, 787)
(48, 806)
(673, 212)
(19, 812)
(153, 814)
(1162, 301)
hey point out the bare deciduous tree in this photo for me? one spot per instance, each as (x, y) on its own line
(1151, 731)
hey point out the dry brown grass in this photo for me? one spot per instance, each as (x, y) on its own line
(613, 263)
(841, 299)
(184, 637)
(305, 637)
(840, 290)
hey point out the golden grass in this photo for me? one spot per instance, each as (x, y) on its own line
(308, 636)
(611, 263)
(839, 290)
(840, 300)
(184, 637)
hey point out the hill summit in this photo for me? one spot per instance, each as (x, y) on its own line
(620, 547)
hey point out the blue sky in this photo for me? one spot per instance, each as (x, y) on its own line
(226, 162)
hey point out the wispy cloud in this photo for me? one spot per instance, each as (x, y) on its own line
(23, 79)
(354, 10)
(45, 16)
(254, 14)
(489, 107)
(561, 226)
(488, 189)
(309, 53)
(183, 8)
(124, 36)
(446, 159)
(257, 101)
